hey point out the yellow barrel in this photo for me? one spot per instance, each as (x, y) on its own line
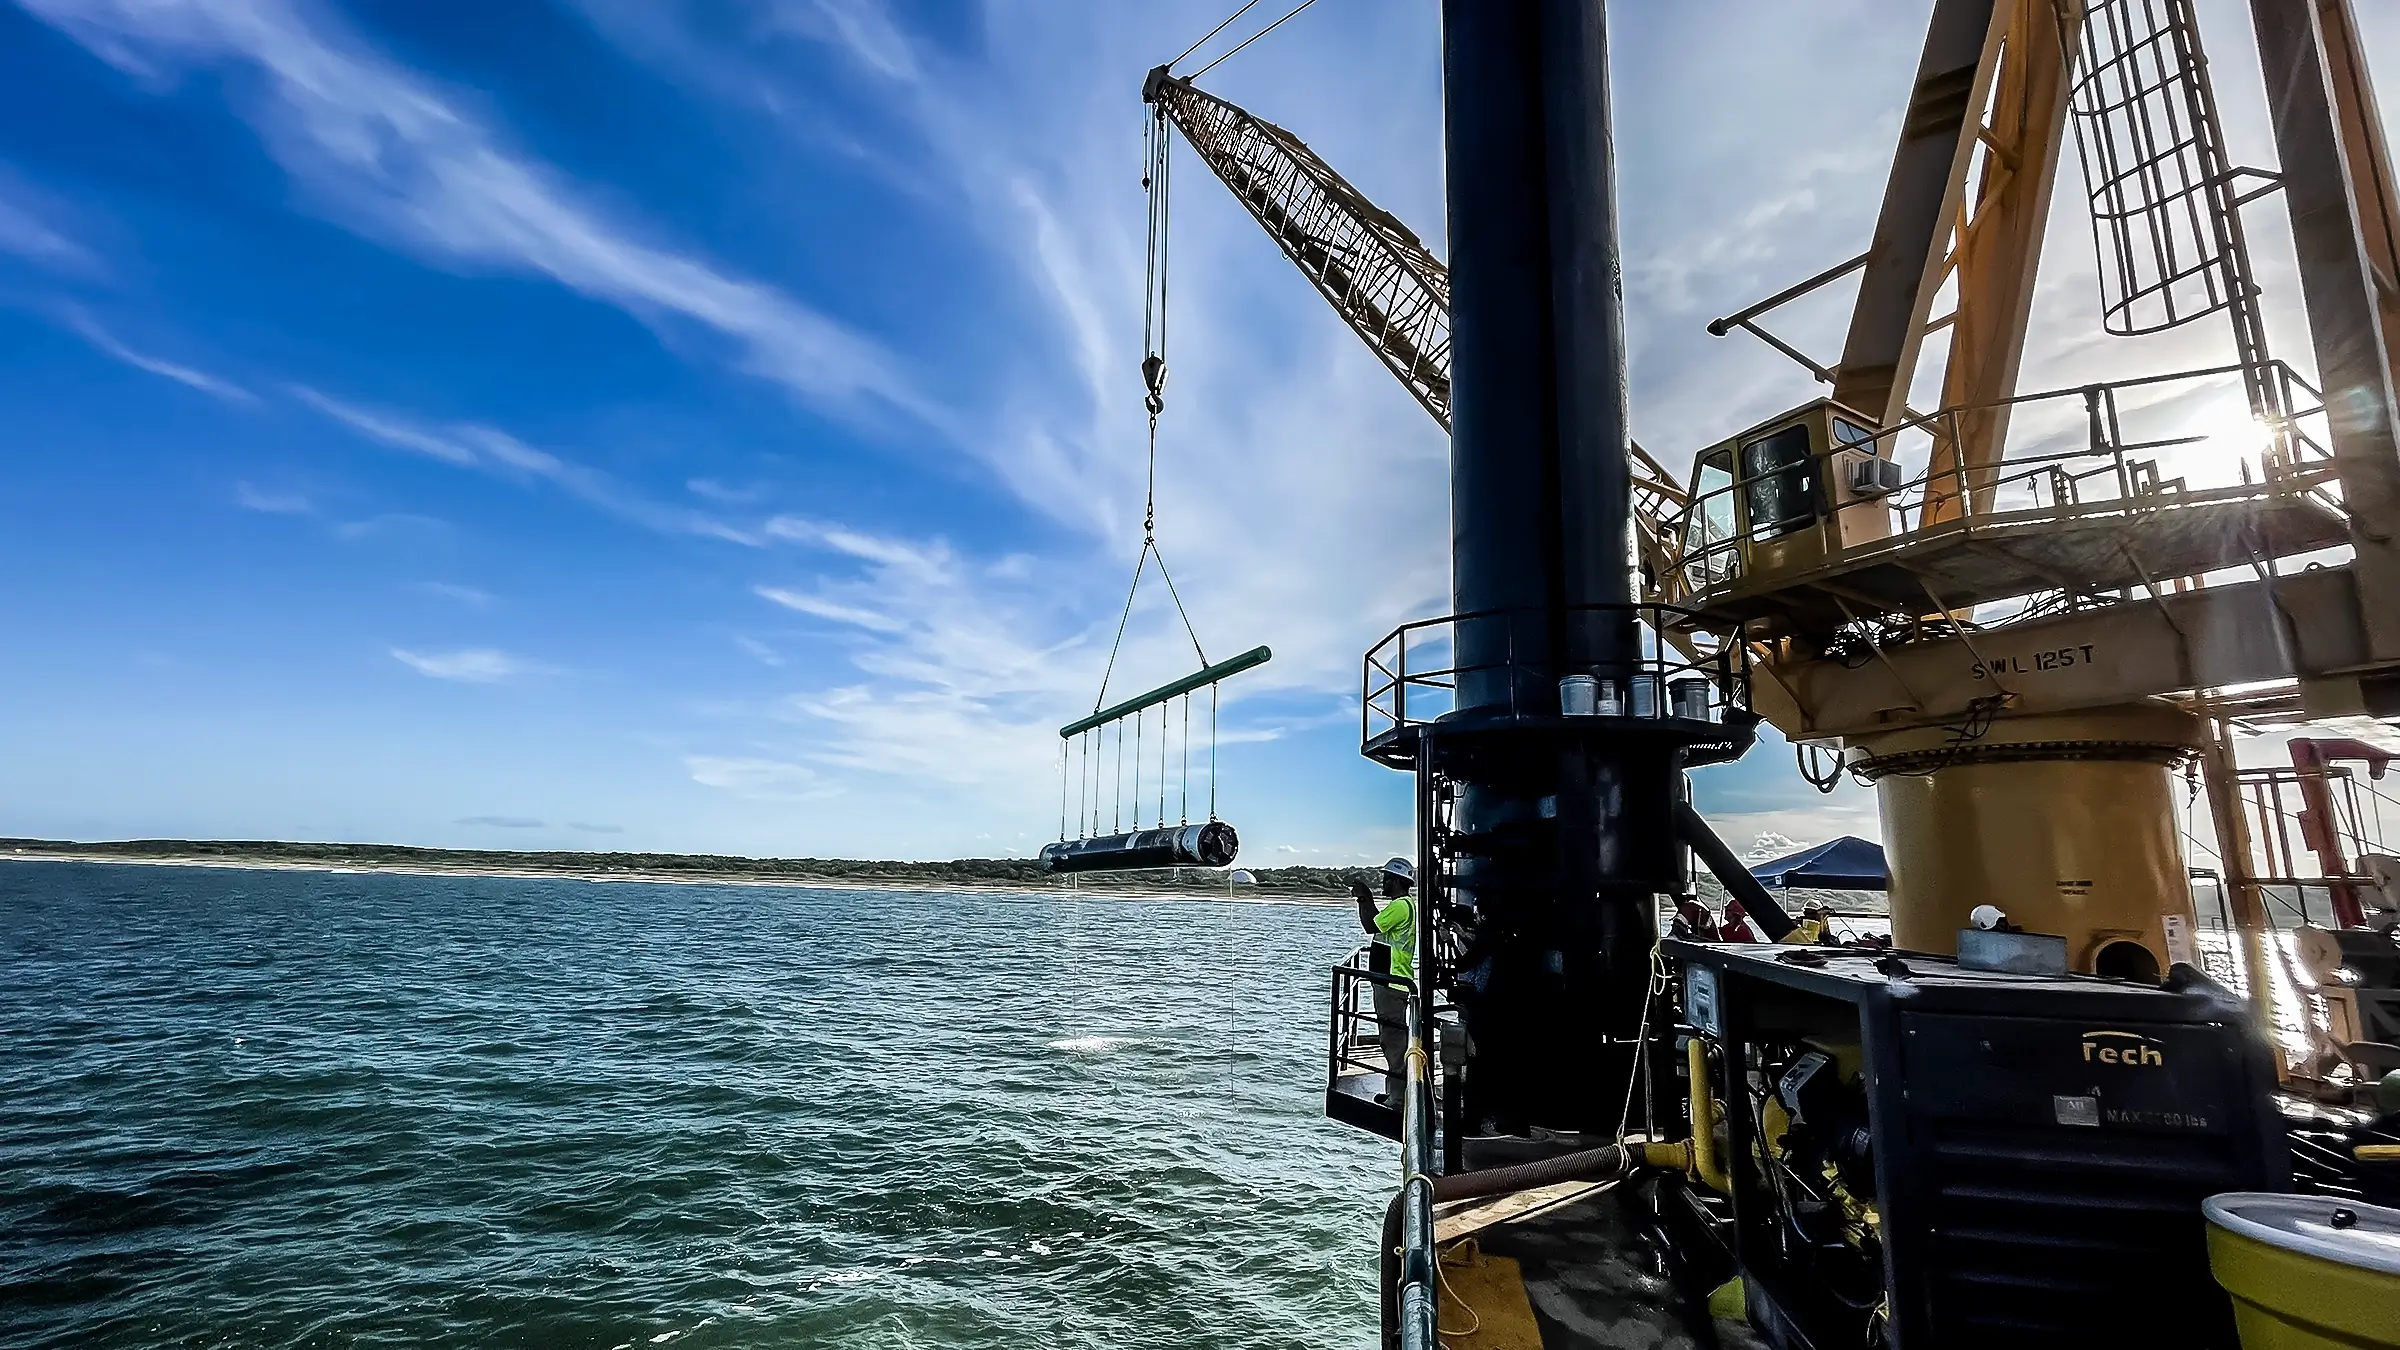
(2307, 1272)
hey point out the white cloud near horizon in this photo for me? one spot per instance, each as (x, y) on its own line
(390, 154)
(474, 665)
(763, 779)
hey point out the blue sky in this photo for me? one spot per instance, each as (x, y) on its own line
(627, 423)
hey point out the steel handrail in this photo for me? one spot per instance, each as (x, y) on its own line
(1386, 676)
(2294, 453)
(1349, 973)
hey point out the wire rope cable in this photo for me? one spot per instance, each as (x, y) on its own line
(1250, 39)
(1246, 8)
(1654, 987)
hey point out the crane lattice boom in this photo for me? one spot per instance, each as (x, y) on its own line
(1371, 268)
(1374, 271)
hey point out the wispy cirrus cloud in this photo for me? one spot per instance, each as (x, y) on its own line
(25, 234)
(391, 525)
(386, 151)
(504, 822)
(710, 489)
(472, 445)
(757, 651)
(957, 680)
(818, 606)
(106, 343)
(473, 597)
(1300, 491)
(271, 503)
(771, 779)
(474, 665)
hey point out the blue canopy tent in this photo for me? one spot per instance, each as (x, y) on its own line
(1846, 864)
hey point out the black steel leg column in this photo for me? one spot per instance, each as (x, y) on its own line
(1563, 834)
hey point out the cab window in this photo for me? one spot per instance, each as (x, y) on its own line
(1779, 482)
(1712, 546)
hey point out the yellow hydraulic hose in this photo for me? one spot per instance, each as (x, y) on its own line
(1695, 1157)
(1704, 1123)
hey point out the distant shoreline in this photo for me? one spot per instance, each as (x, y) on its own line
(1275, 885)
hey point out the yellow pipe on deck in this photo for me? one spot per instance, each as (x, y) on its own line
(1695, 1157)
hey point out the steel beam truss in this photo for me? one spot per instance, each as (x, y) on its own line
(1372, 269)
(1375, 272)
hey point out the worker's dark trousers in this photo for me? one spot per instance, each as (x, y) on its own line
(1391, 1031)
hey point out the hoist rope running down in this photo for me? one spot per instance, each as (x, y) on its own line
(1086, 748)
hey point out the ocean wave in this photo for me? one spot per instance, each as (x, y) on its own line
(498, 1111)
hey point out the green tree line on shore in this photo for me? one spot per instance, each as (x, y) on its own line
(1294, 881)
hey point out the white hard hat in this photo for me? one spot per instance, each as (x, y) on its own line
(1399, 867)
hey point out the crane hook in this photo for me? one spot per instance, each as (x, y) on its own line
(1154, 375)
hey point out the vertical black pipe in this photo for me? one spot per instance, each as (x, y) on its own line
(1566, 836)
(1505, 503)
(1587, 325)
(1541, 487)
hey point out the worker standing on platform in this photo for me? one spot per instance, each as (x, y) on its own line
(1393, 926)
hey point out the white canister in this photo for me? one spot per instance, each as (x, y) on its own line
(1578, 695)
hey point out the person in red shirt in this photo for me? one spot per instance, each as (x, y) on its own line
(1736, 927)
(1692, 920)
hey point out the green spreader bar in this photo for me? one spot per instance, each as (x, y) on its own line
(1198, 679)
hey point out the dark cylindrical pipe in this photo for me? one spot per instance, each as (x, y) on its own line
(1567, 837)
(1505, 506)
(1210, 845)
(1540, 479)
(1587, 327)
(1729, 870)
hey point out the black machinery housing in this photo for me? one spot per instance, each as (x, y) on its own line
(2034, 1148)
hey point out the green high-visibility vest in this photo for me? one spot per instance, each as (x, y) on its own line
(1396, 929)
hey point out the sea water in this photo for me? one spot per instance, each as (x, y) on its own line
(288, 1108)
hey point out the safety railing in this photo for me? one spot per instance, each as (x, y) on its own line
(1414, 676)
(2293, 813)
(1352, 1030)
(2126, 445)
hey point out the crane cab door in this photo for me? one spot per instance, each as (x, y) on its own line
(1778, 498)
(1712, 537)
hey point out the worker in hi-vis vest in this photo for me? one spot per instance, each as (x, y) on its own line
(1393, 925)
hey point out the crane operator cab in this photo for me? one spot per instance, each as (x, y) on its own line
(1785, 495)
